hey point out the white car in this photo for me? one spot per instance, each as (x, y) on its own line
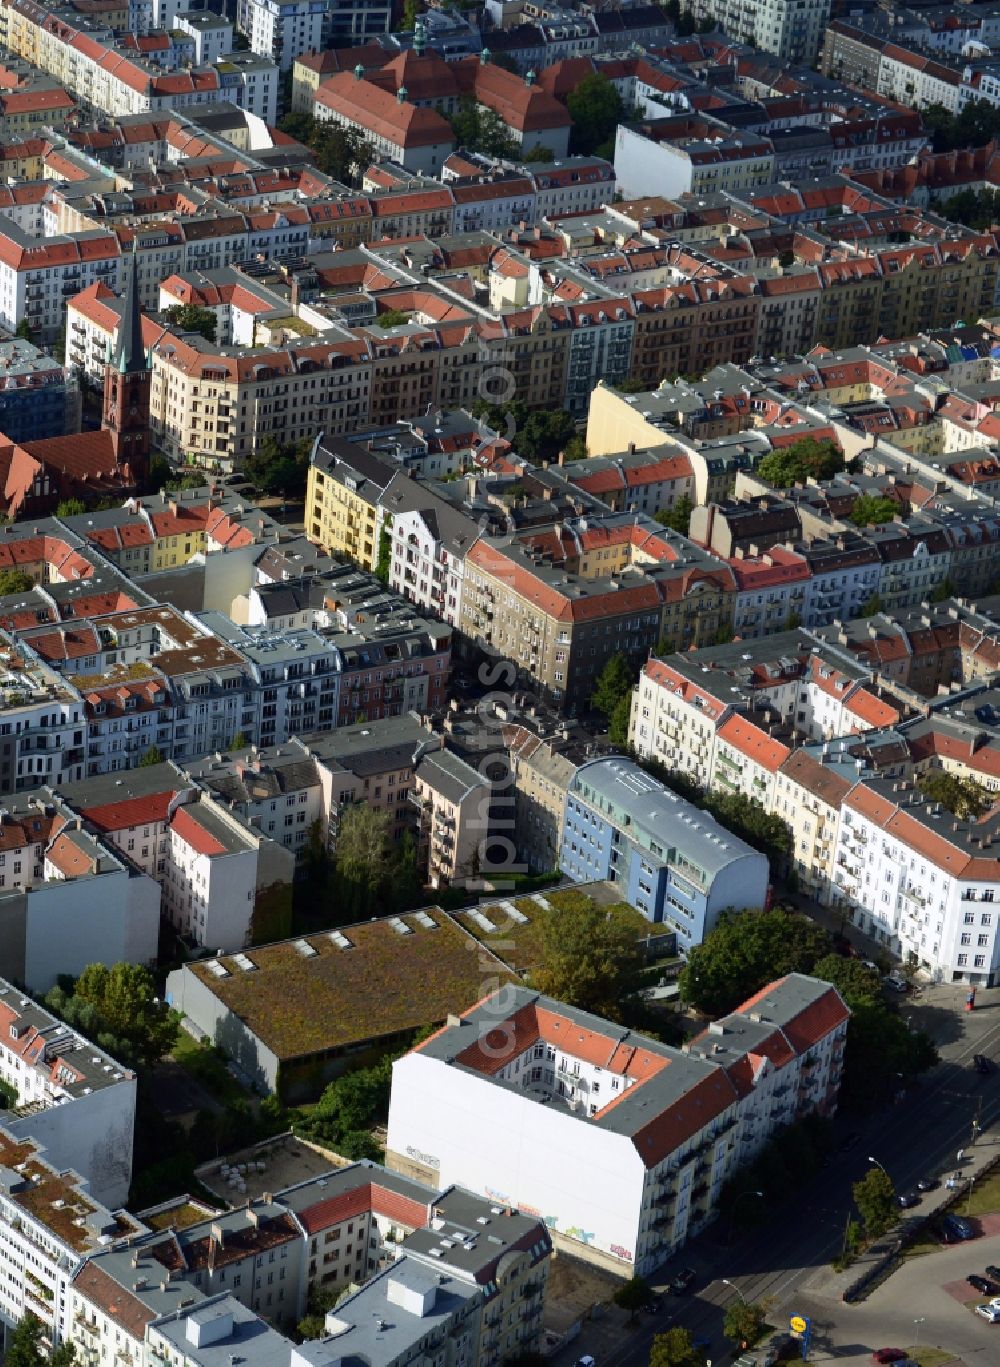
(989, 1312)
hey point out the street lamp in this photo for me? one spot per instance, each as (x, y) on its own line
(732, 1219)
(918, 1323)
(878, 1165)
(732, 1285)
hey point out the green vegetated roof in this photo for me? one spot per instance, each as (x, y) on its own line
(315, 994)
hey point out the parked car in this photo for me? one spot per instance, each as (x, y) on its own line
(993, 1271)
(895, 982)
(982, 1284)
(882, 1355)
(928, 1184)
(782, 1348)
(908, 1199)
(983, 1064)
(682, 1280)
(989, 1312)
(957, 1228)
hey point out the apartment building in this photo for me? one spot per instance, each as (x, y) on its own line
(919, 880)
(454, 801)
(687, 154)
(68, 896)
(647, 1135)
(49, 1224)
(429, 539)
(72, 1097)
(560, 604)
(282, 29)
(791, 31)
(672, 861)
(234, 1280)
(343, 510)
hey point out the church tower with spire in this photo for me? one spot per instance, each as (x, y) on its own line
(126, 386)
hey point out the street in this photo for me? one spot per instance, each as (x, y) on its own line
(783, 1260)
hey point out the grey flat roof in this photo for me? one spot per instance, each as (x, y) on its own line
(372, 1328)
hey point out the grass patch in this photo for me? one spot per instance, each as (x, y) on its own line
(178, 1217)
(930, 1357)
(985, 1198)
(926, 1244)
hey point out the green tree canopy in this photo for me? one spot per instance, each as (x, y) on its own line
(678, 518)
(614, 685)
(802, 460)
(118, 1007)
(964, 797)
(744, 1321)
(25, 1347)
(71, 507)
(675, 1348)
(745, 952)
(481, 130)
(362, 857)
(277, 467)
(633, 1296)
(596, 109)
(154, 755)
(871, 606)
(874, 1197)
(338, 151)
(873, 509)
(15, 581)
(392, 318)
(192, 318)
(590, 955)
(536, 435)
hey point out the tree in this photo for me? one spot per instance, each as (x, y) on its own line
(745, 952)
(802, 460)
(23, 330)
(875, 1198)
(633, 1296)
(192, 318)
(321, 1299)
(575, 449)
(15, 581)
(675, 1348)
(481, 130)
(744, 1321)
(537, 154)
(411, 12)
(154, 755)
(615, 684)
(963, 797)
(537, 436)
(589, 956)
(620, 721)
(361, 859)
(240, 741)
(24, 1347)
(943, 591)
(871, 607)
(119, 1008)
(71, 507)
(392, 318)
(873, 509)
(338, 151)
(856, 983)
(596, 109)
(677, 518)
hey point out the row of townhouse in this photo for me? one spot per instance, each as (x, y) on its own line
(648, 1135)
(108, 80)
(796, 724)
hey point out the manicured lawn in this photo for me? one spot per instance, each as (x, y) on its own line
(927, 1244)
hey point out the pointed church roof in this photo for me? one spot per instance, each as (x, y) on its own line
(131, 354)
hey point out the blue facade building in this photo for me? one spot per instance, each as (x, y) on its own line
(37, 399)
(672, 861)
